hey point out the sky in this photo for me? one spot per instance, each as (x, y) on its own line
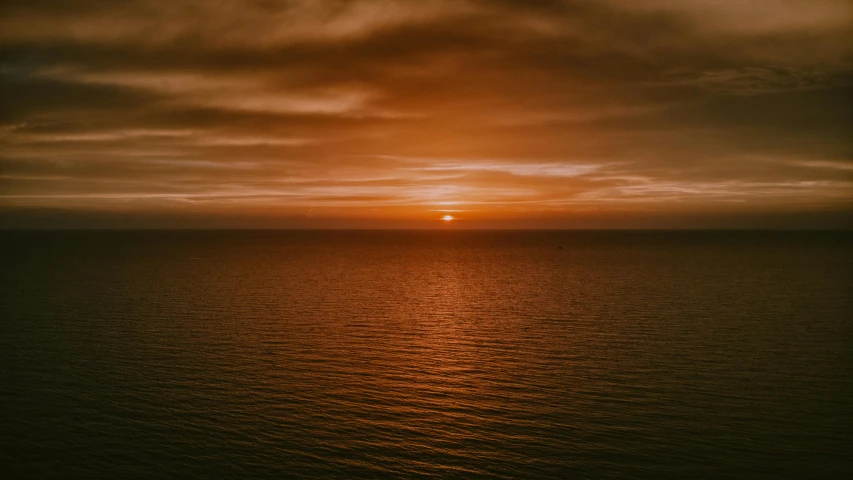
(395, 113)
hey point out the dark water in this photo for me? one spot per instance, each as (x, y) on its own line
(426, 354)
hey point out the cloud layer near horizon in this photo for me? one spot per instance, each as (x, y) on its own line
(392, 112)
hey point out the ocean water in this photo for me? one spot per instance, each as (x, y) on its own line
(444, 354)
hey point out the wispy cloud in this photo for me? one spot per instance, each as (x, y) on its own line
(499, 108)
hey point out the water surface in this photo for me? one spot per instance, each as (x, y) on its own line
(426, 354)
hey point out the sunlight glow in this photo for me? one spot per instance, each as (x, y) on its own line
(447, 218)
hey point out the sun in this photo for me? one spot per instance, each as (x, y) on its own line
(447, 218)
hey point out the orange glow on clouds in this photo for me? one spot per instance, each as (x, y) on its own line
(375, 114)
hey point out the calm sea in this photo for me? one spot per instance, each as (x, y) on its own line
(446, 354)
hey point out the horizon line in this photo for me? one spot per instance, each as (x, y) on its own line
(416, 229)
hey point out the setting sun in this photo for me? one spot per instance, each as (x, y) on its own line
(447, 218)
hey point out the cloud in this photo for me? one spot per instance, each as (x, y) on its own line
(761, 80)
(753, 17)
(220, 23)
(503, 107)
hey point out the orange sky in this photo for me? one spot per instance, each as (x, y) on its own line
(380, 113)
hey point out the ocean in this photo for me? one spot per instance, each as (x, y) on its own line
(426, 354)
